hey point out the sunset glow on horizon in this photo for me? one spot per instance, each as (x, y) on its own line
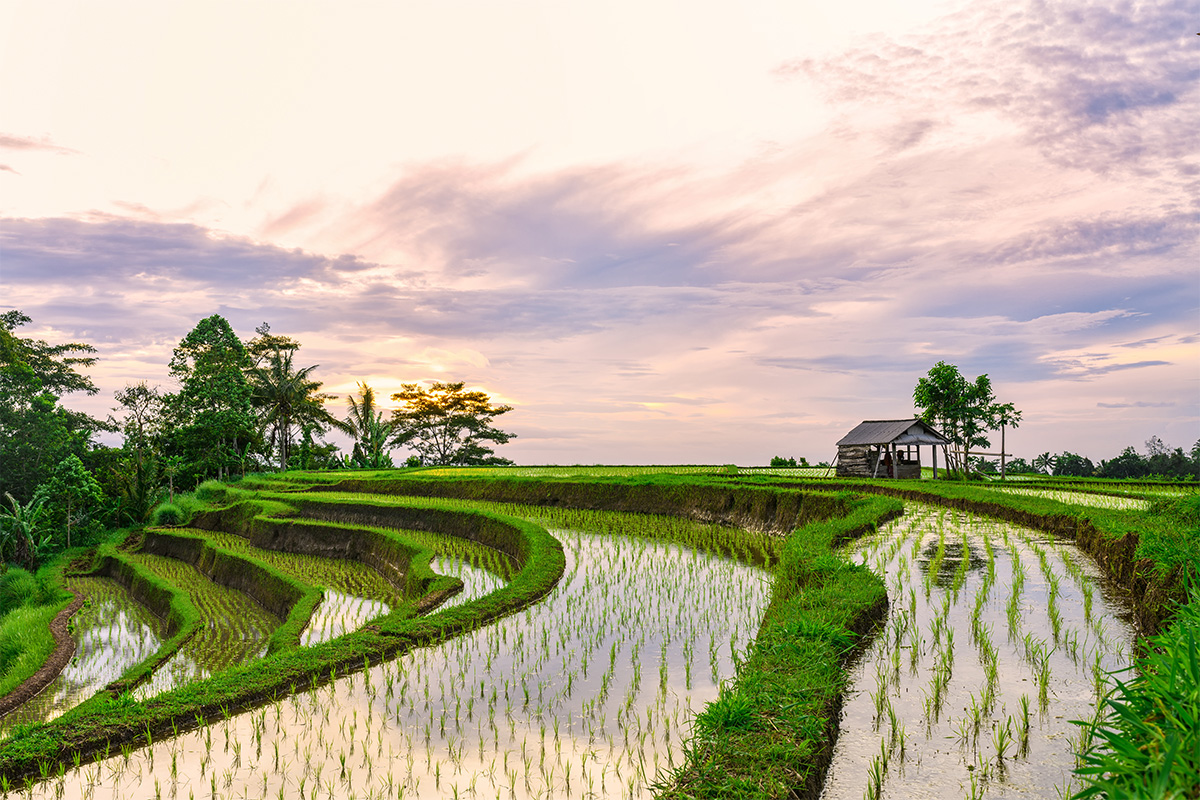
(666, 232)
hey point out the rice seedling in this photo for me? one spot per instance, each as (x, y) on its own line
(523, 708)
(963, 698)
(112, 633)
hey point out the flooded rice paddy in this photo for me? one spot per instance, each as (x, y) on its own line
(589, 693)
(1091, 499)
(234, 627)
(996, 639)
(112, 632)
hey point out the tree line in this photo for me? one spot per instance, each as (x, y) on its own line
(966, 411)
(240, 406)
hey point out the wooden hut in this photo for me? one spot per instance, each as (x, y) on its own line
(888, 448)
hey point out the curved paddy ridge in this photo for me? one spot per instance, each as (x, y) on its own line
(589, 692)
(112, 632)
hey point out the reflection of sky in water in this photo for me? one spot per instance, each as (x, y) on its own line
(593, 688)
(903, 659)
(1086, 499)
(476, 582)
(339, 613)
(112, 633)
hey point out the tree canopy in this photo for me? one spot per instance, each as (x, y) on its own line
(36, 431)
(445, 424)
(962, 409)
(214, 422)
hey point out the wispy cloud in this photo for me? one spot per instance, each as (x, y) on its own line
(1013, 191)
(13, 142)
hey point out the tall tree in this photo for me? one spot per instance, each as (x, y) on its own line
(447, 425)
(370, 430)
(143, 426)
(964, 410)
(36, 430)
(73, 499)
(214, 420)
(1006, 416)
(288, 400)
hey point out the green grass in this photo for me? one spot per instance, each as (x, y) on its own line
(770, 733)
(25, 643)
(29, 603)
(1147, 743)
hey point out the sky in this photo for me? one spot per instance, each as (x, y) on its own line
(664, 232)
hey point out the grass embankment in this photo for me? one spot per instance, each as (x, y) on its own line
(771, 732)
(1147, 743)
(92, 729)
(776, 508)
(29, 604)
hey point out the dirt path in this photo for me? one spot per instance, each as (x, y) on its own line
(64, 650)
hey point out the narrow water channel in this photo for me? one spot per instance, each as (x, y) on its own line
(112, 633)
(996, 639)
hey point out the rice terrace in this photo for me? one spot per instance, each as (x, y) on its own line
(646, 632)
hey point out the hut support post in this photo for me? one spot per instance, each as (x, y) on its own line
(935, 462)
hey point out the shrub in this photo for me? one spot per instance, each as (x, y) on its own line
(169, 514)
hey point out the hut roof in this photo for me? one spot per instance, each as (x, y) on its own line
(889, 431)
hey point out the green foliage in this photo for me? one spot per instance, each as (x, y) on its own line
(780, 461)
(729, 712)
(73, 500)
(445, 424)
(1148, 742)
(371, 432)
(19, 587)
(36, 431)
(286, 397)
(25, 643)
(24, 536)
(28, 603)
(211, 491)
(213, 425)
(169, 515)
(963, 410)
(1074, 465)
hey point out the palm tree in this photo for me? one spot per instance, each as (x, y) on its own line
(1045, 462)
(1004, 415)
(289, 399)
(369, 429)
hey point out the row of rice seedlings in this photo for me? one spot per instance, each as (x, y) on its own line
(339, 613)
(355, 593)
(347, 576)
(744, 545)
(1084, 498)
(112, 632)
(466, 552)
(236, 628)
(981, 698)
(587, 694)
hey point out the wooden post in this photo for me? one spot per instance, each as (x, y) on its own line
(878, 458)
(934, 448)
(1001, 451)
